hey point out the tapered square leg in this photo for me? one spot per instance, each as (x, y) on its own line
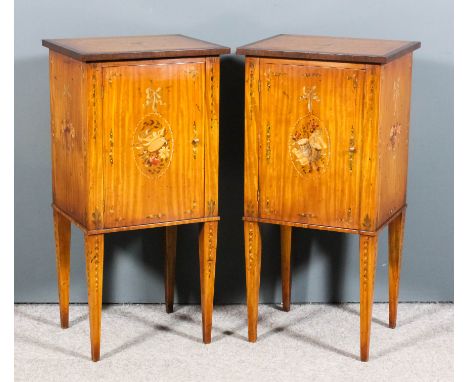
(207, 254)
(395, 249)
(170, 244)
(94, 249)
(368, 257)
(62, 257)
(253, 255)
(286, 266)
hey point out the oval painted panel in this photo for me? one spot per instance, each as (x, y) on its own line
(309, 145)
(153, 145)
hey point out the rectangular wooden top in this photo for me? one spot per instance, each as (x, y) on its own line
(134, 47)
(329, 48)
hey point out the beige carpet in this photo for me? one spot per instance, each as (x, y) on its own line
(310, 343)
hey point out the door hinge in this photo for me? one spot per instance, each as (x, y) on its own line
(258, 195)
(259, 86)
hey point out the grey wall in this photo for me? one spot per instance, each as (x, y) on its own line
(325, 264)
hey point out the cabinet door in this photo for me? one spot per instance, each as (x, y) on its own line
(153, 118)
(310, 138)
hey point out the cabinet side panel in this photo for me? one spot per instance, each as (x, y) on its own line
(95, 155)
(370, 159)
(394, 119)
(69, 135)
(251, 158)
(211, 135)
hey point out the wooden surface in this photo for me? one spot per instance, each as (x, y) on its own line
(329, 48)
(207, 257)
(68, 135)
(94, 251)
(62, 256)
(394, 120)
(395, 248)
(296, 97)
(368, 257)
(286, 266)
(134, 146)
(253, 262)
(133, 194)
(326, 147)
(134, 47)
(170, 246)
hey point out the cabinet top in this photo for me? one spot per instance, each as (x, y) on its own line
(329, 48)
(134, 47)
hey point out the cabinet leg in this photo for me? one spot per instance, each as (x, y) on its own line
(253, 254)
(368, 257)
(286, 266)
(170, 243)
(94, 249)
(395, 247)
(62, 256)
(207, 254)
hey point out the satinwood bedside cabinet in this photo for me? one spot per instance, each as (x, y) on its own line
(326, 147)
(134, 125)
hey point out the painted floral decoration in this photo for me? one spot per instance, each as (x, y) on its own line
(153, 144)
(309, 145)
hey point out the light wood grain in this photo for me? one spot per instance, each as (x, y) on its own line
(211, 142)
(170, 246)
(341, 49)
(315, 197)
(395, 248)
(68, 135)
(394, 120)
(368, 258)
(207, 256)
(326, 147)
(253, 261)
(251, 141)
(62, 256)
(94, 250)
(132, 196)
(286, 266)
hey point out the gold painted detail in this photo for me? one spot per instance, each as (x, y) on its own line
(250, 233)
(268, 209)
(365, 263)
(309, 145)
(367, 222)
(192, 72)
(211, 207)
(195, 140)
(268, 141)
(111, 146)
(96, 218)
(268, 76)
(159, 215)
(395, 131)
(153, 144)
(192, 209)
(355, 81)
(93, 100)
(153, 98)
(307, 215)
(310, 95)
(250, 208)
(210, 249)
(251, 89)
(68, 134)
(212, 95)
(351, 149)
